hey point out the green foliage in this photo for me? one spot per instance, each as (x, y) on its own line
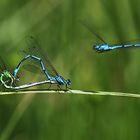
(69, 46)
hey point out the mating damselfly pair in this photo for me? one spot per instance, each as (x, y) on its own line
(33, 52)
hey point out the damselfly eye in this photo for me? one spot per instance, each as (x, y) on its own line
(94, 47)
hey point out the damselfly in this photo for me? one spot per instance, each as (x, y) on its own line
(104, 46)
(34, 52)
(8, 80)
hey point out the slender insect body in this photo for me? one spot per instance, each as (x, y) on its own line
(59, 79)
(53, 76)
(106, 47)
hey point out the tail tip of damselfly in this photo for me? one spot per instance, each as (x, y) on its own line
(69, 81)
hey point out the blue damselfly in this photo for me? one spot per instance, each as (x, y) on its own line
(104, 46)
(34, 52)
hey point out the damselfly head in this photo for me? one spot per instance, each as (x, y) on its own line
(101, 48)
(97, 48)
(68, 81)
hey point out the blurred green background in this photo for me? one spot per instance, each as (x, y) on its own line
(56, 25)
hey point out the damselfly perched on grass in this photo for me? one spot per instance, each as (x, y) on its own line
(34, 52)
(104, 46)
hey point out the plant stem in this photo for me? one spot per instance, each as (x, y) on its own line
(98, 93)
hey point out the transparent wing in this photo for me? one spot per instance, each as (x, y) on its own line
(134, 41)
(87, 25)
(32, 47)
(32, 68)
